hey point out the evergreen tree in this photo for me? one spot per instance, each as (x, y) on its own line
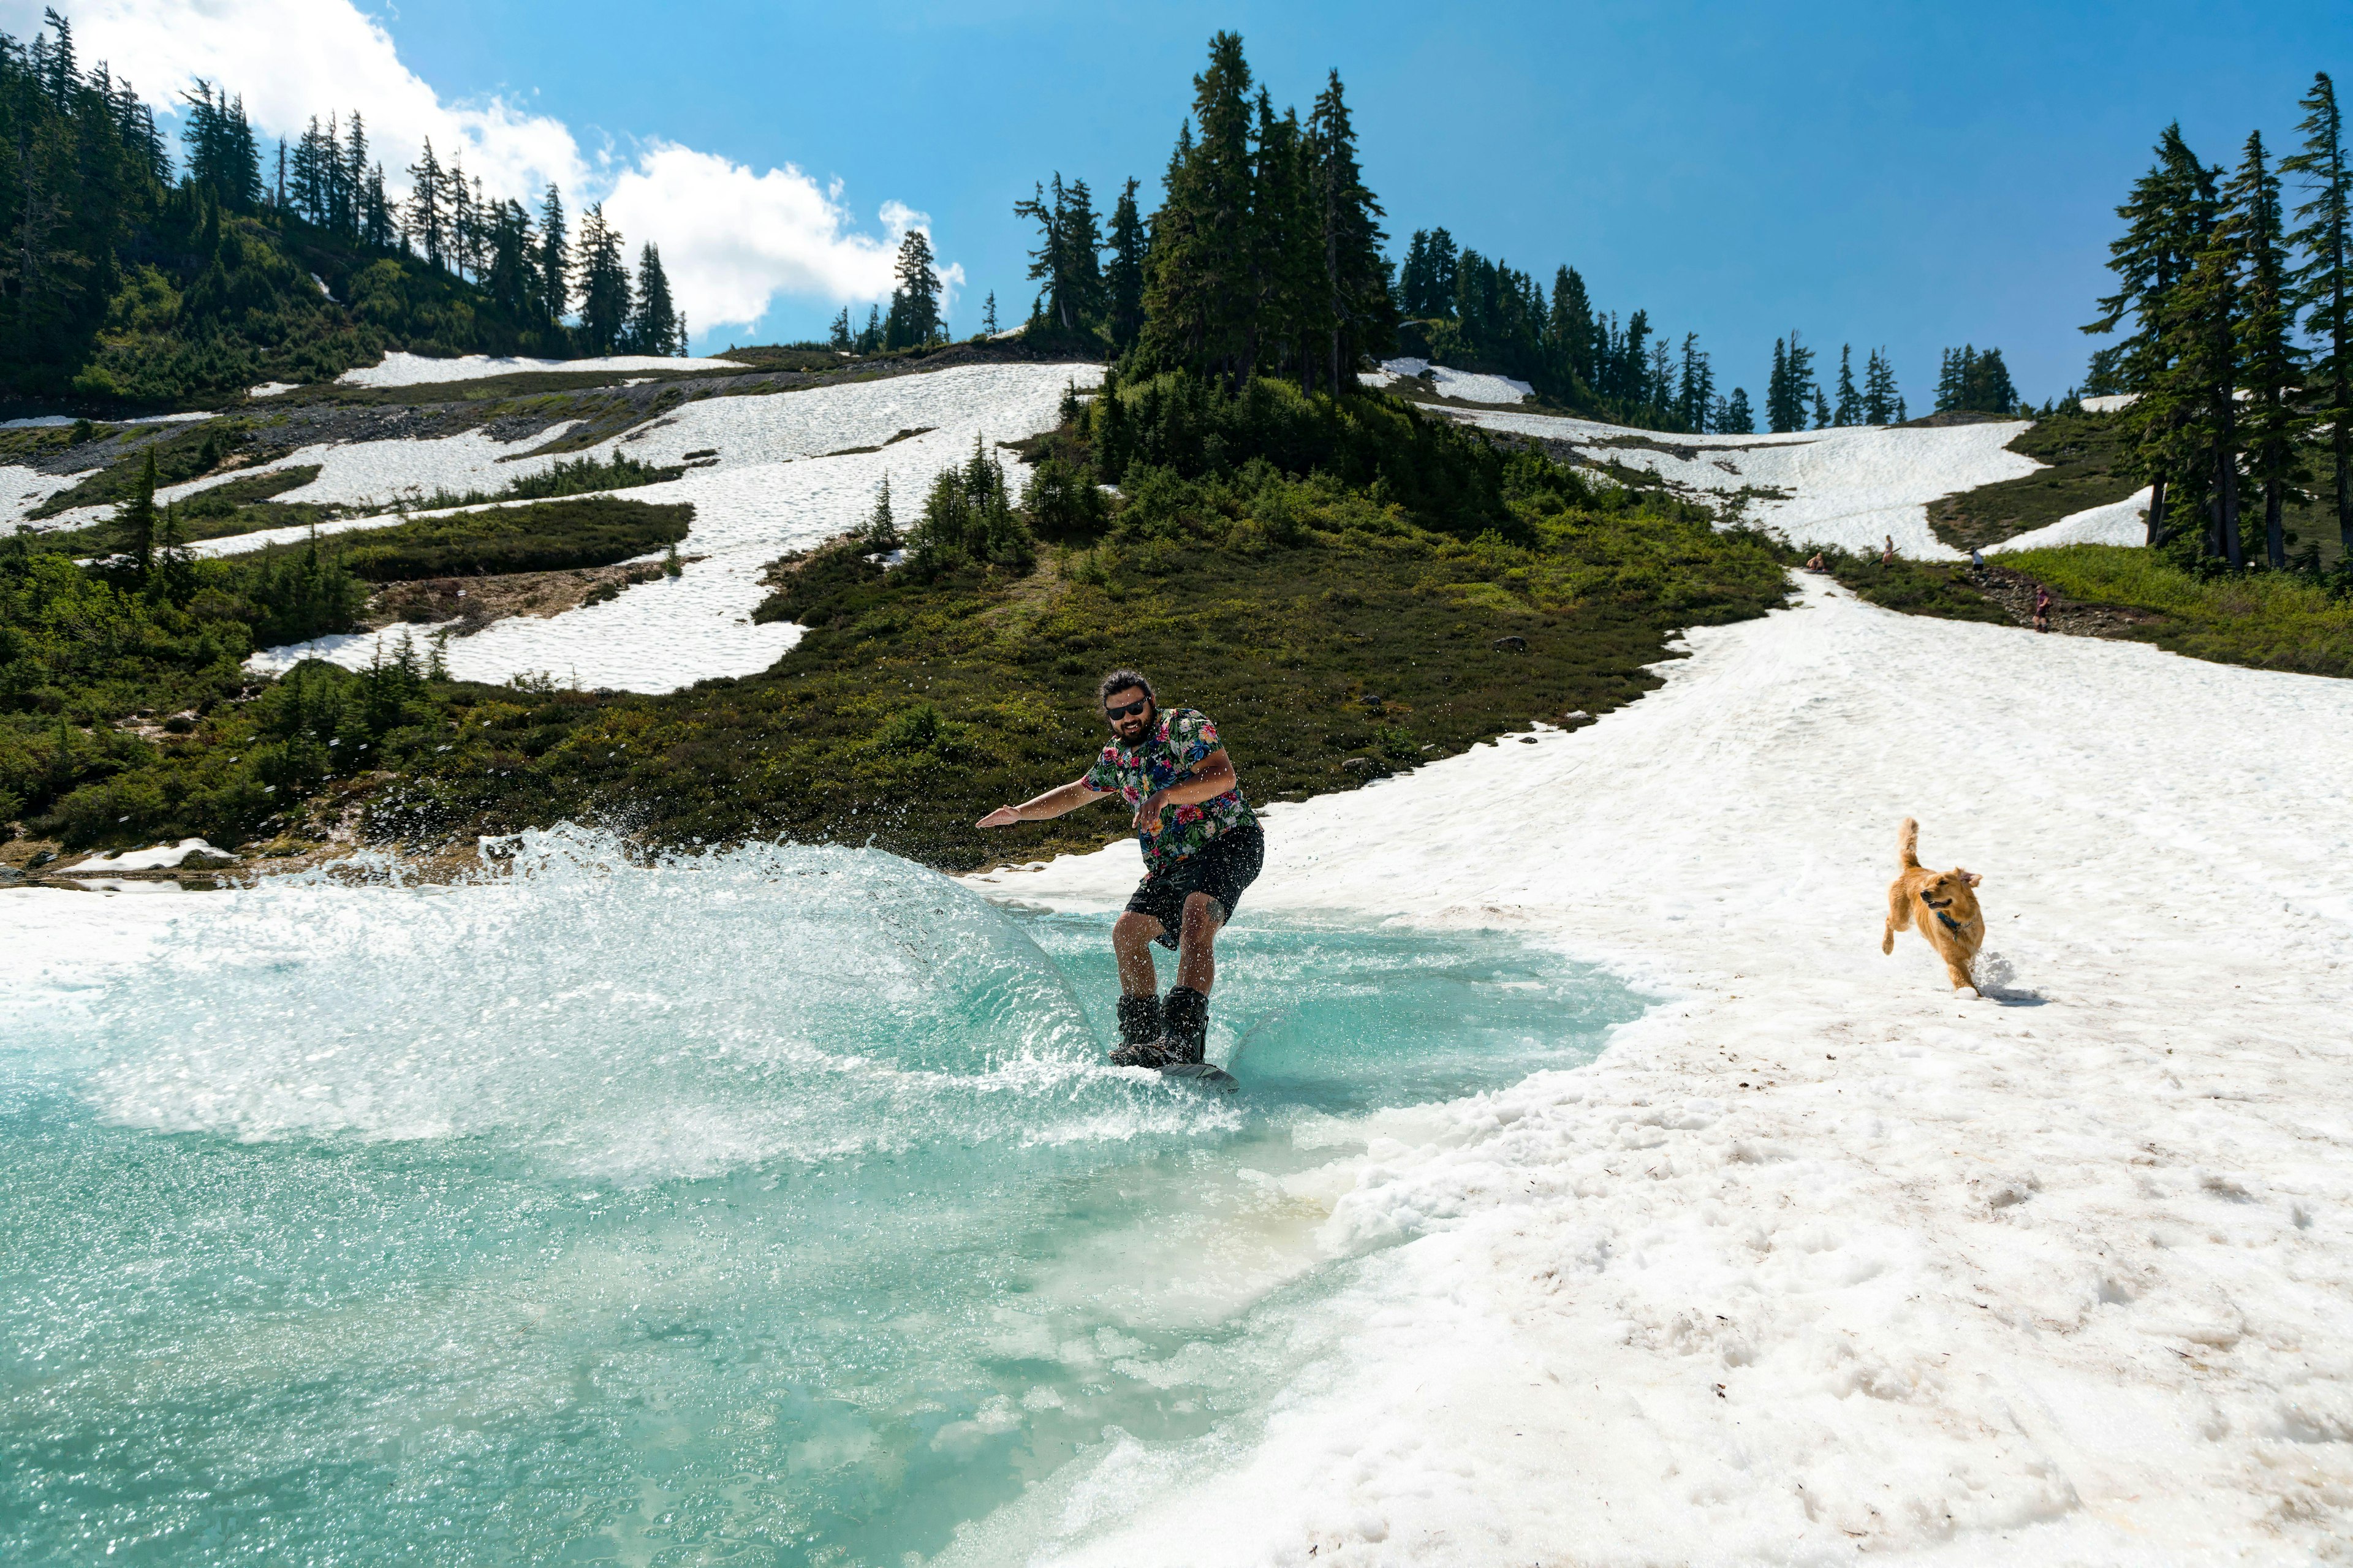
(840, 339)
(1822, 409)
(1735, 419)
(2270, 364)
(987, 321)
(1066, 263)
(429, 211)
(869, 338)
(1413, 276)
(2323, 285)
(1849, 400)
(1198, 296)
(222, 154)
(915, 304)
(554, 291)
(1878, 390)
(602, 281)
(137, 525)
(1778, 417)
(1569, 330)
(1695, 394)
(1444, 275)
(1124, 275)
(1293, 312)
(2163, 216)
(2193, 432)
(656, 328)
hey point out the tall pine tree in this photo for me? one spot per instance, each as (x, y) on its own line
(2324, 284)
(2270, 368)
(2162, 217)
(602, 280)
(655, 327)
(1123, 274)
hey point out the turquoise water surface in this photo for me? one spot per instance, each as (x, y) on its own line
(771, 1206)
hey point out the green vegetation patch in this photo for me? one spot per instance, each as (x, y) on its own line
(2089, 456)
(1915, 587)
(549, 537)
(240, 506)
(2270, 620)
(190, 453)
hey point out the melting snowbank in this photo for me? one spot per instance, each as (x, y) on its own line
(2118, 522)
(1849, 488)
(1816, 1258)
(402, 369)
(783, 480)
(1471, 386)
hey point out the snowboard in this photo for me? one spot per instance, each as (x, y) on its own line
(1204, 1075)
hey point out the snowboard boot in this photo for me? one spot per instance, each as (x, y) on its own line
(1139, 1033)
(1187, 1027)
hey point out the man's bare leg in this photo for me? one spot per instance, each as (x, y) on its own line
(1197, 936)
(1130, 940)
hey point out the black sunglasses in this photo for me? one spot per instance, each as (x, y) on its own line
(1131, 709)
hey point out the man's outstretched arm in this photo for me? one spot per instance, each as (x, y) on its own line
(1053, 803)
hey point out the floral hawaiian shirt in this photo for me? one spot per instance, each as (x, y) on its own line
(1177, 744)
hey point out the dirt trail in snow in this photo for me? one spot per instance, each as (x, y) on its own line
(1816, 1260)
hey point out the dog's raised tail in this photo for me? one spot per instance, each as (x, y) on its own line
(1907, 843)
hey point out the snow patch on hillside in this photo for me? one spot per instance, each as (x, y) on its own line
(2109, 404)
(1816, 1259)
(772, 488)
(1851, 488)
(2118, 522)
(400, 369)
(1470, 387)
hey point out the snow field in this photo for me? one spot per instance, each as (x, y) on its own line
(1818, 1260)
(772, 490)
(402, 369)
(1848, 487)
(2118, 522)
(1469, 385)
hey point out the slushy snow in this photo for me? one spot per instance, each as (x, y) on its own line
(1816, 1259)
(162, 857)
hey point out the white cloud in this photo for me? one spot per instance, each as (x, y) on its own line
(731, 239)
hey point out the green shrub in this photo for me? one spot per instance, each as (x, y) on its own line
(552, 536)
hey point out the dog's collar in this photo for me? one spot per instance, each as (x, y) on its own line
(1949, 923)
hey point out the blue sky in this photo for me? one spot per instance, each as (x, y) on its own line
(1911, 175)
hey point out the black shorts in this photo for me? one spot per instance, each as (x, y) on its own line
(1221, 868)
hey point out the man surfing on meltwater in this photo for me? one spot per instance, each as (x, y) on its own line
(1202, 846)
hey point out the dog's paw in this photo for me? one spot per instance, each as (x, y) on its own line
(1966, 994)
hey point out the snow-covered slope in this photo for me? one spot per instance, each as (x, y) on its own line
(1471, 386)
(1849, 488)
(1817, 1260)
(772, 488)
(2118, 522)
(398, 369)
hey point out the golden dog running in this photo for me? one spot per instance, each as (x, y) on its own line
(1942, 903)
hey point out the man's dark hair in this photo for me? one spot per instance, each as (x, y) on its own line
(1120, 681)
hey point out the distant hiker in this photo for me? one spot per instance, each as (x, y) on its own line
(2042, 609)
(1202, 846)
(1976, 560)
(1815, 563)
(1887, 556)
